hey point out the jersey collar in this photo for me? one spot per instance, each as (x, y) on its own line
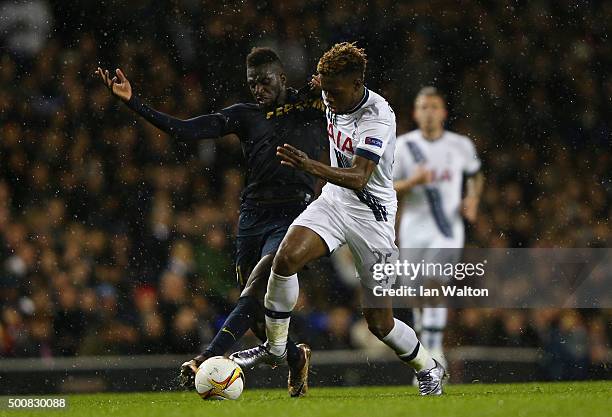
(435, 139)
(363, 101)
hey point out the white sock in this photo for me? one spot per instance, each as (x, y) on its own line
(403, 340)
(433, 323)
(280, 299)
(416, 319)
(422, 360)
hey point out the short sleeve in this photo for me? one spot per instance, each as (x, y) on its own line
(471, 161)
(373, 137)
(402, 162)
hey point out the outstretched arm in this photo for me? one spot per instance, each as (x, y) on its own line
(355, 177)
(202, 127)
(209, 126)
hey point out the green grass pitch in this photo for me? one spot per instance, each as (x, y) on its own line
(590, 399)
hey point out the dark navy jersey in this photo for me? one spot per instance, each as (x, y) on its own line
(300, 122)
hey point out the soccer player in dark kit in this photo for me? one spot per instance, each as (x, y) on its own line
(274, 194)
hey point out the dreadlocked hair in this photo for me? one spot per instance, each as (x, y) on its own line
(343, 58)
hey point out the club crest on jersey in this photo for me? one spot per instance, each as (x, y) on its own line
(441, 175)
(373, 141)
(342, 142)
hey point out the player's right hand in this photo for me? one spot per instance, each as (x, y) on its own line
(421, 175)
(118, 85)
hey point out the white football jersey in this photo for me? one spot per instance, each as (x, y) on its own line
(368, 131)
(431, 213)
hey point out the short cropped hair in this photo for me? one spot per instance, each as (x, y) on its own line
(430, 91)
(261, 56)
(343, 58)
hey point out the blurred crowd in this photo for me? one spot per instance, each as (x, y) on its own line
(115, 238)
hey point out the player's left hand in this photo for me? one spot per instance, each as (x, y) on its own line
(315, 82)
(293, 157)
(470, 208)
(118, 85)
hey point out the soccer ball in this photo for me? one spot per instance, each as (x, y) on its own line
(219, 378)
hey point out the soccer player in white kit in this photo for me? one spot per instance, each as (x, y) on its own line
(357, 207)
(431, 164)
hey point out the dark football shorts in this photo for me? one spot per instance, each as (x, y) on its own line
(261, 229)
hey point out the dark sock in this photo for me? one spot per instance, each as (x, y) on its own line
(294, 357)
(236, 325)
(242, 317)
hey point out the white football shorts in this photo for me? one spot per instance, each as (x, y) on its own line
(371, 242)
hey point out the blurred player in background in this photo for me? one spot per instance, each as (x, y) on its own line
(431, 164)
(274, 194)
(357, 207)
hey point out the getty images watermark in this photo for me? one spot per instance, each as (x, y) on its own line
(443, 273)
(492, 278)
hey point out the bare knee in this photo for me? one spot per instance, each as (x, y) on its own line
(300, 246)
(258, 279)
(286, 262)
(256, 286)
